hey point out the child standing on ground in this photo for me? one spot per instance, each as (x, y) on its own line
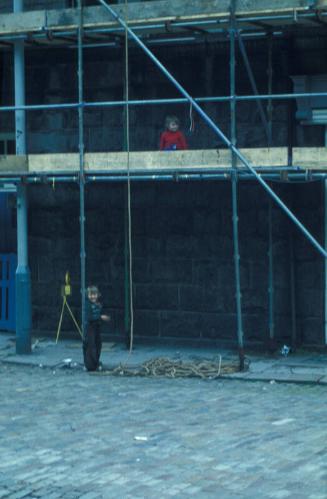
(92, 339)
(172, 138)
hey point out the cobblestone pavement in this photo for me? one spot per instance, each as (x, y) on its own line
(70, 434)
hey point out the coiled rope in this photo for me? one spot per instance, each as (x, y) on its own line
(163, 367)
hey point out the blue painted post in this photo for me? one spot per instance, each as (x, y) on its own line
(81, 161)
(23, 275)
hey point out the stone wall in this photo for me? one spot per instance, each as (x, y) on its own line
(52, 78)
(183, 270)
(182, 232)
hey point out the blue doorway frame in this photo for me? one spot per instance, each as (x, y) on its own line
(8, 265)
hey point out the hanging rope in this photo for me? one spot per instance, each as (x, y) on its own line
(192, 124)
(129, 215)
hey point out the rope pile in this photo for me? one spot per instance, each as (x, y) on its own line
(163, 367)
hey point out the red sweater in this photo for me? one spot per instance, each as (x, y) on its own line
(172, 140)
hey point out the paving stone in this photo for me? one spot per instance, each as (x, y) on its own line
(222, 438)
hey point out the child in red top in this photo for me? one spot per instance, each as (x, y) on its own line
(172, 138)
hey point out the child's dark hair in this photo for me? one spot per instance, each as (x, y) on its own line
(169, 119)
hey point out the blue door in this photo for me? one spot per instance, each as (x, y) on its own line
(8, 264)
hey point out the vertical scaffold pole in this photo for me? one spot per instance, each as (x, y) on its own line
(271, 322)
(81, 158)
(271, 303)
(23, 275)
(234, 190)
(127, 284)
(270, 77)
(325, 211)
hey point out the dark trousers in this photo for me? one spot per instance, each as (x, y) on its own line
(92, 346)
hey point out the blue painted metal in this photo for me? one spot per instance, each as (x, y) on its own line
(217, 130)
(4, 223)
(271, 322)
(8, 263)
(23, 276)
(81, 161)
(145, 102)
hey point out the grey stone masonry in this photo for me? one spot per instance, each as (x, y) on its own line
(183, 268)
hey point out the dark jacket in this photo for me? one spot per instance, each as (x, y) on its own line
(92, 311)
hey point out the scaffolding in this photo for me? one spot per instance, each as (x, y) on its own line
(233, 27)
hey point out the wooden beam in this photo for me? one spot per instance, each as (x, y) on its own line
(13, 164)
(148, 12)
(310, 158)
(154, 161)
(307, 158)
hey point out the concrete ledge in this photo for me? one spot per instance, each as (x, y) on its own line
(147, 12)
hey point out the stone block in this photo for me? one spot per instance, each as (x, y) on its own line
(207, 221)
(218, 326)
(310, 303)
(142, 270)
(148, 246)
(45, 294)
(146, 323)
(311, 330)
(114, 269)
(214, 246)
(112, 296)
(310, 274)
(171, 270)
(156, 297)
(257, 273)
(283, 327)
(182, 246)
(200, 299)
(254, 301)
(205, 272)
(282, 301)
(180, 325)
(255, 326)
(47, 319)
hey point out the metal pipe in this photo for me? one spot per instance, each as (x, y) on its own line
(238, 295)
(127, 304)
(293, 294)
(81, 159)
(91, 178)
(217, 130)
(270, 76)
(23, 275)
(252, 82)
(145, 102)
(325, 202)
(271, 322)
